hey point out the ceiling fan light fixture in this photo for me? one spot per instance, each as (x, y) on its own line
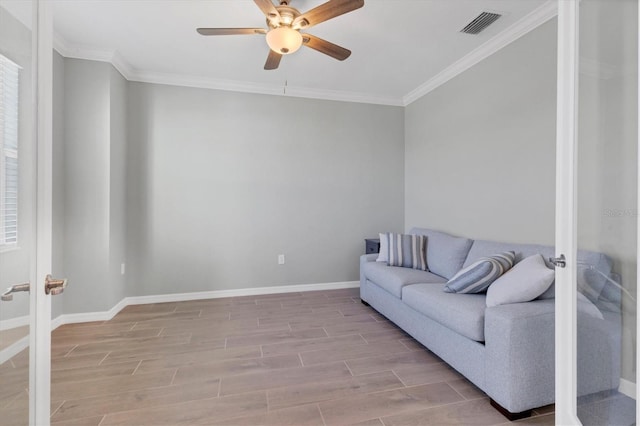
(284, 40)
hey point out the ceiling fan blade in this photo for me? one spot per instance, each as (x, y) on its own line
(326, 47)
(230, 31)
(326, 11)
(273, 60)
(268, 8)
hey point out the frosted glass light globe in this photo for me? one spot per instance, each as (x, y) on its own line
(284, 40)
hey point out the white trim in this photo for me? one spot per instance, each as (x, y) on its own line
(335, 95)
(264, 89)
(83, 52)
(16, 322)
(627, 388)
(23, 343)
(14, 349)
(90, 316)
(255, 291)
(533, 20)
(182, 297)
(121, 65)
(638, 227)
(566, 219)
(40, 303)
(183, 80)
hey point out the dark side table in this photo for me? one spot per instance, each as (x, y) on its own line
(372, 245)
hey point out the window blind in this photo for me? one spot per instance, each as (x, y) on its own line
(9, 96)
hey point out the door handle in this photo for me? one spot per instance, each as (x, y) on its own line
(7, 296)
(558, 262)
(53, 286)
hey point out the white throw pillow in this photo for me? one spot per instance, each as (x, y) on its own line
(527, 280)
(383, 255)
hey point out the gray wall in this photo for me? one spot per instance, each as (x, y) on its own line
(93, 181)
(220, 183)
(206, 187)
(480, 150)
(117, 189)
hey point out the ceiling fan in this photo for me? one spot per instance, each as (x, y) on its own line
(285, 22)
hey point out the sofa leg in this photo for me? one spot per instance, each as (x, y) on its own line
(508, 414)
(364, 303)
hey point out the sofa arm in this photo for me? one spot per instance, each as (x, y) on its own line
(371, 257)
(520, 354)
(363, 260)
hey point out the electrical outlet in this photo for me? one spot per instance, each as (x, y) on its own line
(122, 268)
(281, 259)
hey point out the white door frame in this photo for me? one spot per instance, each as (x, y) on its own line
(566, 219)
(40, 312)
(638, 238)
(566, 229)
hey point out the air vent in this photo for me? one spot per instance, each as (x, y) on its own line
(481, 22)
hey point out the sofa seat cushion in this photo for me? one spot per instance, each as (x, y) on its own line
(463, 313)
(393, 278)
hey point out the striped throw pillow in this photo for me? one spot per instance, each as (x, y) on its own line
(408, 251)
(478, 276)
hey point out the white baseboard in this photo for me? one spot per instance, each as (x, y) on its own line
(255, 291)
(89, 316)
(12, 350)
(182, 297)
(14, 322)
(627, 388)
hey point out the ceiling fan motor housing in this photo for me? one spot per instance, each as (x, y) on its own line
(284, 24)
(287, 16)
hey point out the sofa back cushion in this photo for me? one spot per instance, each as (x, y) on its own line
(445, 253)
(593, 268)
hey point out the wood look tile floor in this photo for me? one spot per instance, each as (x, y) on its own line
(316, 358)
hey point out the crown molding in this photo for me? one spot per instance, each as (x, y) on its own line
(334, 95)
(203, 82)
(536, 18)
(66, 49)
(533, 20)
(263, 89)
(82, 52)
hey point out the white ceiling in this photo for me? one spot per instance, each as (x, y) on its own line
(400, 47)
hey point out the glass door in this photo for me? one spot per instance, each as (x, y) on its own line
(25, 212)
(597, 212)
(17, 213)
(607, 214)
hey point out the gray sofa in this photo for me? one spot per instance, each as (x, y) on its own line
(507, 350)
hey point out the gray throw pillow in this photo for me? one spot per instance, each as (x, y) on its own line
(527, 280)
(408, 251)
(478, 276)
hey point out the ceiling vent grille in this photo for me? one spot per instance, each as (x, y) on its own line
(481, 22)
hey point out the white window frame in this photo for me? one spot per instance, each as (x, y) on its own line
(8, 68)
